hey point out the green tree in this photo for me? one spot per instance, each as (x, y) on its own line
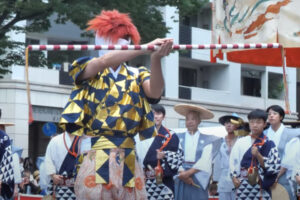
(145, 14)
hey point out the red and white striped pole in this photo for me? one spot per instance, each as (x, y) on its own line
(61, 47)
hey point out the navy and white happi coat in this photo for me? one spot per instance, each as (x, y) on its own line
(240, 160)
(170, 163)
(6, 166)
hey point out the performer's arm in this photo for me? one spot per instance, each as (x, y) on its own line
(113, 58)
(153, 88)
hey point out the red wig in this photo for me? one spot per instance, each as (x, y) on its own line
(114, 25)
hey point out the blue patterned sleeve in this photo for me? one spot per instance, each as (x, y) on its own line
(272, 161)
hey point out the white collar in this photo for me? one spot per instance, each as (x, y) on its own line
(278, 130)
(115, 73)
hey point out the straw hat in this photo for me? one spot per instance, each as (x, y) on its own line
(184, 109)
(6, 123)
(279, 192)
(36, 174)
(226, 118)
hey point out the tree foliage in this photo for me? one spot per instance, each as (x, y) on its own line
(145, 14)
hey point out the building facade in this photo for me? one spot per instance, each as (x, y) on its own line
(222, 87)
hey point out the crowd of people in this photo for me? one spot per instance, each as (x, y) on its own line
(115, 146)
(17, 174)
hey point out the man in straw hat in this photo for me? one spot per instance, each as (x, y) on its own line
(221, 165)
(6, 163)
(110, 102)
(254, 161)
(192, 181)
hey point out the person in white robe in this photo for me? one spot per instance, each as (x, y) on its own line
(221, 174)
(199, 150)
(59, 165)
(280, 135)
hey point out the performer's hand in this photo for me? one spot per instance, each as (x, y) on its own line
(165, 47)
(160, 154)
(57, 179)
(236, 182)
(254, 151)
(297, 179)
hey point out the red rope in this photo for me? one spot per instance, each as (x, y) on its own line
(73, 152)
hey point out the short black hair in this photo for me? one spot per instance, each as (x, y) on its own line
(158, 108)
(258, 114)
(277, 109)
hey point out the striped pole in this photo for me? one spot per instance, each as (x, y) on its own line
(60, 47)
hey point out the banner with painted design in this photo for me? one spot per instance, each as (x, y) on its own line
(258, 21)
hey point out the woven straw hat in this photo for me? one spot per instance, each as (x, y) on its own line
(6, 123)
(184, 109)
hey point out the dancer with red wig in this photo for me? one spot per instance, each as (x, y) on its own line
(109, 104)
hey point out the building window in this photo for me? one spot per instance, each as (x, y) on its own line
(275, 86)
(251, 83)
(35, 58)
(188, 77)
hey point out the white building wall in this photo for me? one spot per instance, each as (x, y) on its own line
(45, 91)
(171, 63)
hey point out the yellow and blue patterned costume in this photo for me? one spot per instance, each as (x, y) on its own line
(113, 111)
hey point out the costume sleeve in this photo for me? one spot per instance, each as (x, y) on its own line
(204, 165)
(272, 161)
(290, 153)
(77, 68)
(173, 159)
(77, 112)
(205, 162)
(144, 74)
(291, 159)
(234, 161)
(6, 164)
(17, 171)
(49, 165)
(217, 167)
(146, 128)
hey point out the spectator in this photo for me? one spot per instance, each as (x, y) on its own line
(28, 186)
